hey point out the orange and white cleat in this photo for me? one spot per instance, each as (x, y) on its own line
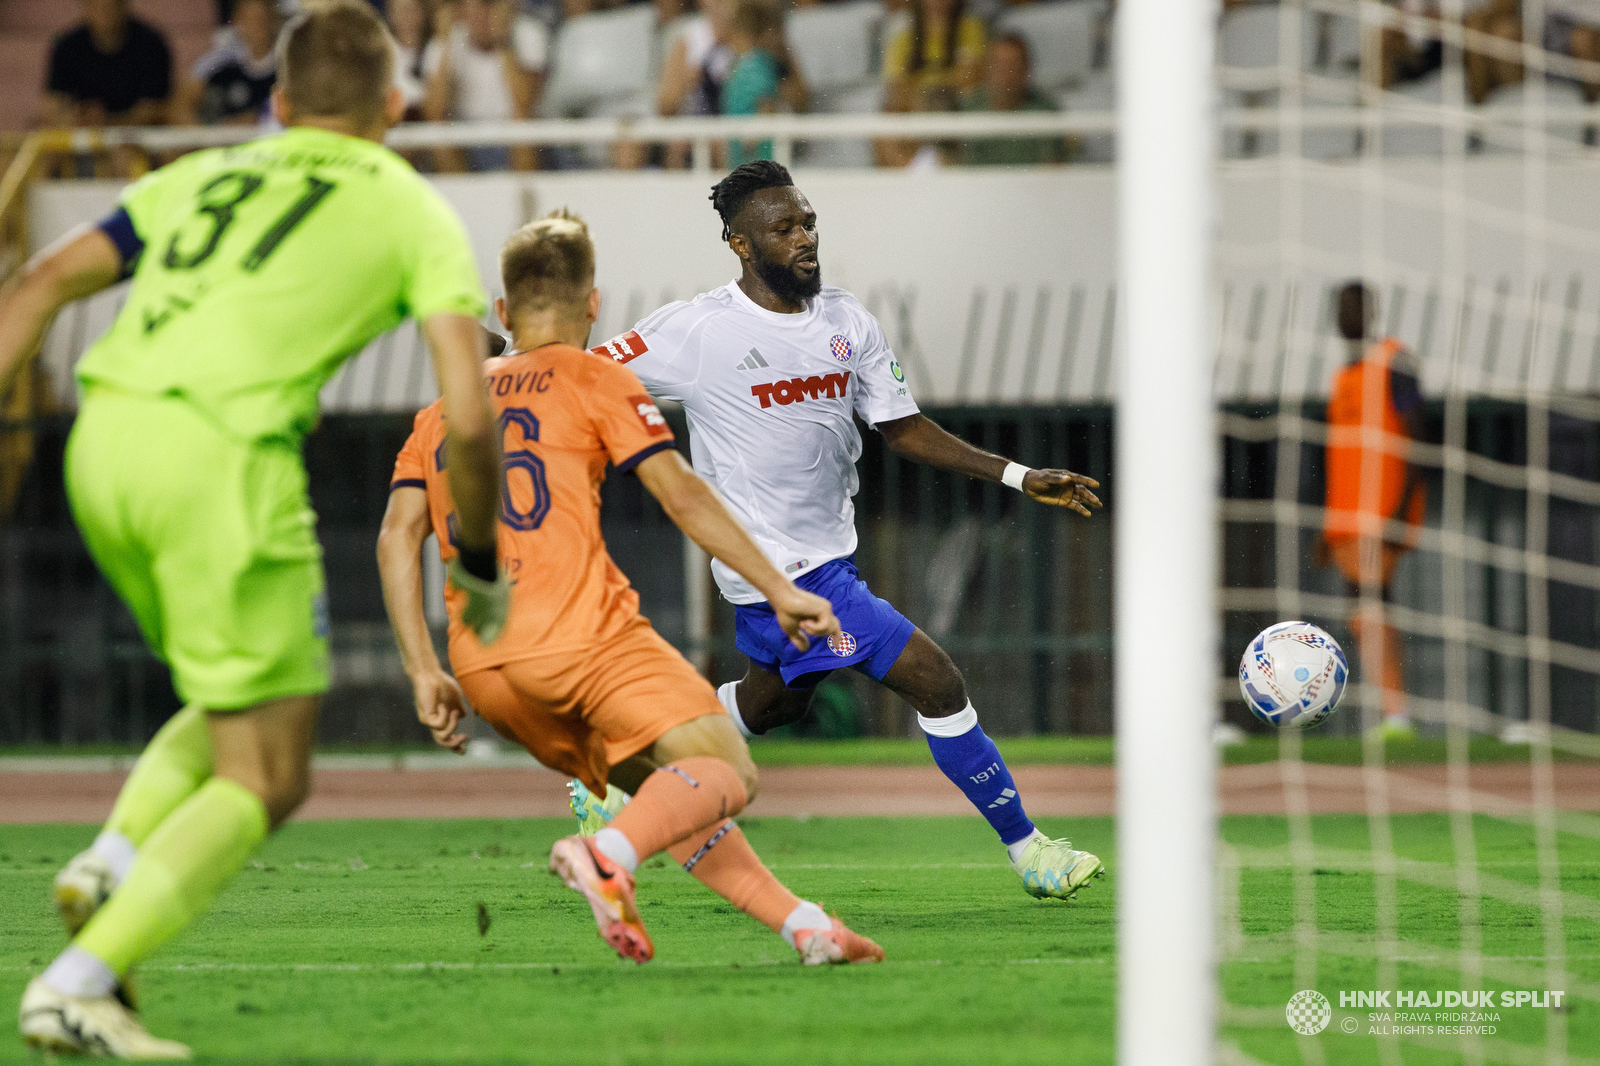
(837, 944)
(609, 890)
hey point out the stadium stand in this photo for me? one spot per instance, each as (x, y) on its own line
(1248, 48)
(1098, 93)
(22, 70)
(1339, 53)
(603, 61)
(606, 63)
(1510, 135)
(1248, 38)
(1061, 36)
(1426, 138)
(835, 47)
(27, 28)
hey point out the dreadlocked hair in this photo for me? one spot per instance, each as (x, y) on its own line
(728, 196)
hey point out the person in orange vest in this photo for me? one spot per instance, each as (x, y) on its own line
(1375, 495)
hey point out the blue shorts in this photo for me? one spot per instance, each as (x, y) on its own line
(874, 632)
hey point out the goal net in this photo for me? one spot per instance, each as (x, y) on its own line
(1426, 488)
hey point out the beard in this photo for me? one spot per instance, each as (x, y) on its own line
(785, 282)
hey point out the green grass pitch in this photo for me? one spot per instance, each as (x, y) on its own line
(359, 942)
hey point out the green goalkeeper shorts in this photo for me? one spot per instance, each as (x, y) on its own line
(209, 540)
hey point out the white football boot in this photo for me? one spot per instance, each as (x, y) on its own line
(57, 1023)
(80, 888)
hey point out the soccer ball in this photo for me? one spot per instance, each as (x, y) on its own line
(1292, 675)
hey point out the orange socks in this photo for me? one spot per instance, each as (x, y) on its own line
(723, 860)
(679, 799)
(684, 808)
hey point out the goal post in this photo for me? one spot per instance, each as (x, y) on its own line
(1166, 520)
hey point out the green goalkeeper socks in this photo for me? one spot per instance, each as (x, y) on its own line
(176, 763)
(181, 867)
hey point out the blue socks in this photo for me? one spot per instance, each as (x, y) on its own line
(969, 758)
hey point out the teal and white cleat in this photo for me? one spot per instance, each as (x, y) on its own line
(1050, 869)
(593, 813)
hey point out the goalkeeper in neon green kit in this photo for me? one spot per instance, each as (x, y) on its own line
(257, 271)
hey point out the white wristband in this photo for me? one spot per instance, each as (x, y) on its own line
(1014, 474)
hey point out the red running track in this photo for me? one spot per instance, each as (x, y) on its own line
(32, 796)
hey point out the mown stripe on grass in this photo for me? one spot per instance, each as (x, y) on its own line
(1433, 874)
(1506, 969)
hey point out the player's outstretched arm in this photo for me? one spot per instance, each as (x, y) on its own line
(695, 508)
(472, 455)
(438, 698)
(922, 440)
(78, 265)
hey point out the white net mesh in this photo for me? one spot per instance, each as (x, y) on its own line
(1434, 836)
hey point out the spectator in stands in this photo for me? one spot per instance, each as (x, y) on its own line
(792, 88)
(942, 46)
(692, 75)
(112, 70)
(699, 61)
(1007, 86)
(485, 63)
(232, 83)
(1574, 28)
(410, 21)
(1484, 72)
(691, 78)
(1408, 54)
(751, 87)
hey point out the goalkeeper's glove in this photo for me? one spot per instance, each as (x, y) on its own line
(487, 601)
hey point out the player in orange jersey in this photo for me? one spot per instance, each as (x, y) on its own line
(578, 677)
(1374, 412)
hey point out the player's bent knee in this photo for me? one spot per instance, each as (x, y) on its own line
(713, 736)
(952, 699)
(945, 694)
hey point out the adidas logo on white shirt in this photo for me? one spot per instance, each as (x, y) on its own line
(752, 362)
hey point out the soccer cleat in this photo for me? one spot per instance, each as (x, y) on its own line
(836, 945)
(593, 813)
(80, 887)
(56, 1023)
(1050, 869)
(609, 890)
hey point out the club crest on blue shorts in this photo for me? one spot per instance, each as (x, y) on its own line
(874, 633)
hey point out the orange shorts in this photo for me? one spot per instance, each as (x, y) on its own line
(583, 715)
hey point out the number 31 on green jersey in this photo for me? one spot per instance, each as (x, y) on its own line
(218, 199)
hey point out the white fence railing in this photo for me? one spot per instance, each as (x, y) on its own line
(1490, 125)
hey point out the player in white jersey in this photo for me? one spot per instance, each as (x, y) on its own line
(771, 369)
